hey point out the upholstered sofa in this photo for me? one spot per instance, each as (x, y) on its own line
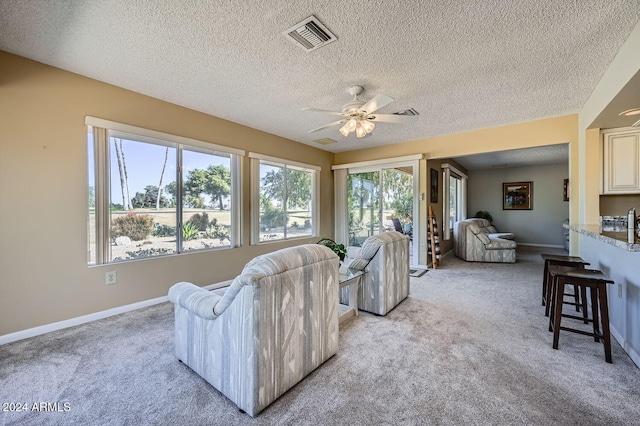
(385, 258)
(257, 338)
(475, 240)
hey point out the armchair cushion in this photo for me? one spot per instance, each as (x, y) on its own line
(369, 249)
(500, 244)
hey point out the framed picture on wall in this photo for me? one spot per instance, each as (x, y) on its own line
(434, 186)
(565, 190)
(517, 196)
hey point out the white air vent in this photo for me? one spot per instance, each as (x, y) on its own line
(309, 34)
(325, 141)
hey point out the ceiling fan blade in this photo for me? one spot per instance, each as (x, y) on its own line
(325, 126)
(322, 110)
(376, 103)
(392, 118)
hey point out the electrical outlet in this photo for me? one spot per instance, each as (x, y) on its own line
(620, 290)
(110, 278)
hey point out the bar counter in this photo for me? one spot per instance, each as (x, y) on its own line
(626, 239)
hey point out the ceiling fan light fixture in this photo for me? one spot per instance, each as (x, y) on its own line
(368, 126)
(358, 116)
(345, 130)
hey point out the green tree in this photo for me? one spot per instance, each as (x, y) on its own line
(398, 191)
(92, 197)
(149, 198)
(363, 193)
(215, 181)
(297, 189)
(172, 189)
(219, 183)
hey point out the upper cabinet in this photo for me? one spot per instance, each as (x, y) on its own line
(621, 161)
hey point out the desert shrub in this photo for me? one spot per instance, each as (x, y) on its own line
(272, 218)
(135, 226)
(216, 230)
(145, 253)
(160, 230)
(295, 225)
(200, 221)
(189, 231)
(307, 224)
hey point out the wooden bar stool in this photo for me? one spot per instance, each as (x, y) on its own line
(557, 259)
(594, 280)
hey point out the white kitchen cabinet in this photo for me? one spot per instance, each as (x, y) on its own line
(621, 172)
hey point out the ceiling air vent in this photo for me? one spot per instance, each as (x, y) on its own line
(325, 141)
(309, 34)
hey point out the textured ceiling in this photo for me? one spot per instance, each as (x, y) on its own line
(462, 66)
(549, 154)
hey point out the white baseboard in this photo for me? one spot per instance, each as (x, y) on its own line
(72, 322)
(635, 357)
(541, 245)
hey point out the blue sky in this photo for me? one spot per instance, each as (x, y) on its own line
(144, 163)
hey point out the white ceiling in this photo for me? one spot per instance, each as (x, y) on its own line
(461, 65)
(549, 154)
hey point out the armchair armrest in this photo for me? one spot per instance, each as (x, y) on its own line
(195, 299)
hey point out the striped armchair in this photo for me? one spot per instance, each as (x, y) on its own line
(385, 258)
(257, 338)
(475, 240)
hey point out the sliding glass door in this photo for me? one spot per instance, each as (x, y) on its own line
(381, 199)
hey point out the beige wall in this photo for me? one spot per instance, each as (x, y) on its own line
(542, 225)
(44, 275)
(549, 131)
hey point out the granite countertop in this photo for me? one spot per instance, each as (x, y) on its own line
(626, 239)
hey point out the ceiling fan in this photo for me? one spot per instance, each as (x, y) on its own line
(359, 116)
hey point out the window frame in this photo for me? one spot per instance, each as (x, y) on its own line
(256, 161)
(102, 130)
(449, 170)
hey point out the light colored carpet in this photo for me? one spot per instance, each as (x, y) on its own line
(469, 346)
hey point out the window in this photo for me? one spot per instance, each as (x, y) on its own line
(285, 195)
(454, 198)
(153, 194)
